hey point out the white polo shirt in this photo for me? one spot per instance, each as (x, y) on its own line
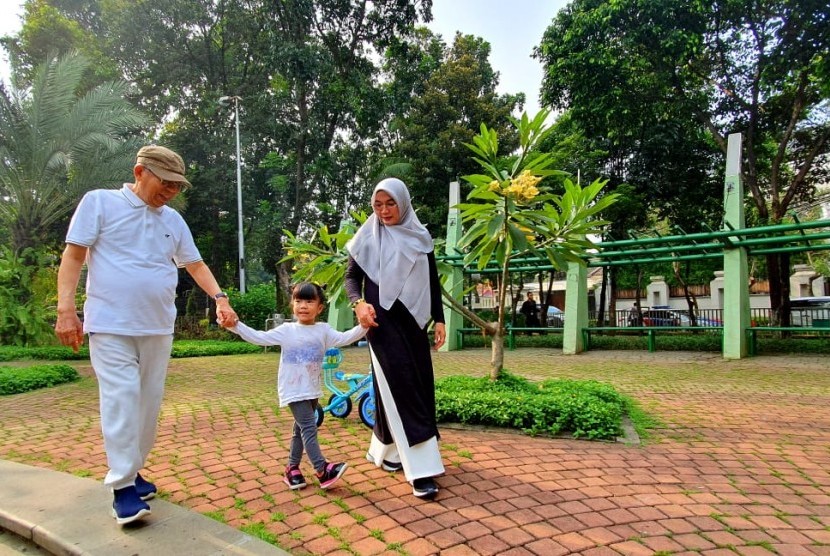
(134, 254)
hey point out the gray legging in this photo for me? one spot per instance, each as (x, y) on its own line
(305, 434)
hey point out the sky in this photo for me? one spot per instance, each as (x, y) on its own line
(512, 27)
(10, 10)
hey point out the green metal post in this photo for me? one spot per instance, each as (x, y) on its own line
(576, 309)
(736, 315)
(340, 314)
(454, 283)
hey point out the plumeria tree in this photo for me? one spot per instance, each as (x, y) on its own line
(324, 258)
(511, 212)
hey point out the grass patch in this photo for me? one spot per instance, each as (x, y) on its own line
(259, 531)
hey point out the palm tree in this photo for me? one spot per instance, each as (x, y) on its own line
(57, 142)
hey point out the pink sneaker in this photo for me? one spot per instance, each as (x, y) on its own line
(293, 477)
(332, 472)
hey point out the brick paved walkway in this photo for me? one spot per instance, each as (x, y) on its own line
(738, 464)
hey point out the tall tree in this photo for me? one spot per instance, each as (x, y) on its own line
(305, 75)
(54, 27)
(328, 100)
(761, 67)
(55, 144)
(450, 100)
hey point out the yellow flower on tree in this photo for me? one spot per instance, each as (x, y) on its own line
(523, 187)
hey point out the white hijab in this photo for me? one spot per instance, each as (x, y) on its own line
(394, 257)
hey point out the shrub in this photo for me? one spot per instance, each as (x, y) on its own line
(184, 348)
(15, 380)
(24, 320)
(256, 305)
(804, 346)
(584, 409)
(47, 353)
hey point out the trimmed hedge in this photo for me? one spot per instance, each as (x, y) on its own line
(583, 409)
(15, 380)
(184, 348)
(196, 348)
(666, 341)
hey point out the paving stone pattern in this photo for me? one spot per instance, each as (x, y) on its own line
(738, 463)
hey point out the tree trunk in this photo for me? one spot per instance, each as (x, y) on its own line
(602, 292)
(612, 301)
(775, 292)
(691, 300)
(497, 362)
(497, 352)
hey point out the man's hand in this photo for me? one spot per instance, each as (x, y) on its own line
(225, 315)
(69, 330)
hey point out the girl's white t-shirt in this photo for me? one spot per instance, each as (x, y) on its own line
(134, 254)
(301, 355)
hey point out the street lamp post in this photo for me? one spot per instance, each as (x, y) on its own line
(224, 101)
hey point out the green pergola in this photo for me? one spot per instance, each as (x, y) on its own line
(734, 243)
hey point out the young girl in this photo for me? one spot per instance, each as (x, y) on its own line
(299, 383)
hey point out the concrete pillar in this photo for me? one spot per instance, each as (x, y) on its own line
(820, 286)
(576, 309)
(454, 283)
(801, 281)
(657, 292)
(716, 290)
(735, 267)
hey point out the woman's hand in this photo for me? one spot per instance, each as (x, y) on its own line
(440, 333)
(365, 313)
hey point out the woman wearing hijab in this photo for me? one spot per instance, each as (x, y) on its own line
(392, 282)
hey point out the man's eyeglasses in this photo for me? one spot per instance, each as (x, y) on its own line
(169, 185)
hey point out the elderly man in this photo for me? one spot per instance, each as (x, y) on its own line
(133, 245)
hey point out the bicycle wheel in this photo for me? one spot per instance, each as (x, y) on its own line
(366, 409)
(340, 408)
(320, 415)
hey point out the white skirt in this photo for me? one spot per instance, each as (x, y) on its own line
(420, 460)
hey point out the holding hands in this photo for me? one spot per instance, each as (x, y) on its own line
(365, 313)
(225, 315)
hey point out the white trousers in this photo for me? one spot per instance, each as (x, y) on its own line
(131, 371)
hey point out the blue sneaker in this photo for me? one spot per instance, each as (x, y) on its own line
(127, 506)
(146, 490)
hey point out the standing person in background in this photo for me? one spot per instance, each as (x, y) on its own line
(392, 282)
(299, 381)
(133, 245)
(531, 312)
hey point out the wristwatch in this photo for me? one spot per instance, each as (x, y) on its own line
(220, 294)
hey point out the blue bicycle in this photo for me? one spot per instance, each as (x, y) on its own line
(343, 386)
